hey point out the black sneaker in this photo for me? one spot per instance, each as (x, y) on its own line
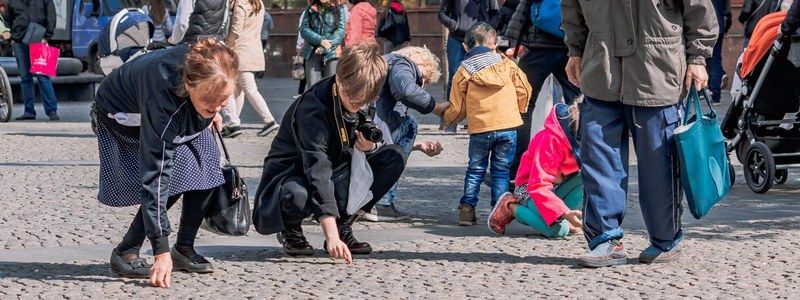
(26, 117)
(231, 132)
(346, 235)
(385, 213)
(270, 127)
(53, 116)
(137, 268)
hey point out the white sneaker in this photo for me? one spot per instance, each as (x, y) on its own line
(611, 253)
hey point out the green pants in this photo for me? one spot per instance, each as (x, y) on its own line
(571, 191)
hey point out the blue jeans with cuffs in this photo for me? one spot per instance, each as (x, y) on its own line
(495, 146)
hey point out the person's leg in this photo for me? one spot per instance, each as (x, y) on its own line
(502, 155)
(294, 208)
(455, 54)
(604, 169)
(48, 94)
(479, 149)
(529, 215)
(230, 115)
(387, 164)
(195, 204)
(715, 70)
(569, 90)
(536, 63)
(656, 155)
(248, 83)
(404, 137)
(131, 244)
(314, 67)
(26, 85)
(330, 68)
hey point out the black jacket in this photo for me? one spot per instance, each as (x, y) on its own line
(20, 13)
(394, 27)
(402, 91)
(206, 20)
(313, 157)
(753, 11)
(521, 31)
(792, 20)
(142, 94)
(506, 12)
(459, 15)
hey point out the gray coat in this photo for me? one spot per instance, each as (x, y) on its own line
(637, 51)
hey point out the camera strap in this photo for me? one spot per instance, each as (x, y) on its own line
(341, 129)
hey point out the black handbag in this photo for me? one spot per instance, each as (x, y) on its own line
(34, 34)
(228, 211)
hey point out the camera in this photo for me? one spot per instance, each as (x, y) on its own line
(367, 126)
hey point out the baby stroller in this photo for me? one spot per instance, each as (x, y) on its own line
(762, 124)
(125, 37)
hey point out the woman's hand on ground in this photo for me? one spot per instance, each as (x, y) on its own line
(574, 70)
(161, 271)
(363, 144)
(430, 148)
(574, 218)
(326, 44)
(338, 250)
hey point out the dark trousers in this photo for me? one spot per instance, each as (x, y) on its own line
(538, 63)
(387, 165)
(192, 214)
(22, 54)
(605, 128)
(715, 70)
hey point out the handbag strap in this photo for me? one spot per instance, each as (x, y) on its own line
(222, 142)
(693, 102)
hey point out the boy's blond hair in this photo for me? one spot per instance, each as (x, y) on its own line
(361, 72)
(423, 58)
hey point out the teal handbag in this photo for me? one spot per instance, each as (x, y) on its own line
(703, 159)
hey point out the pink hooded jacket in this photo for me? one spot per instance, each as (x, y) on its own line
(547, 162)
(361, 24)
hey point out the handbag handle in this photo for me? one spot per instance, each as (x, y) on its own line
(222, 142)
(693, 101)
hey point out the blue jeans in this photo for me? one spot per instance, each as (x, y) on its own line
(605, 127)
(715, 70)
(500, 146)
(455, 54)
(22, 54)
(404, 136)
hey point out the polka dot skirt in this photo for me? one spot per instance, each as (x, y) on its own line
(196, 166)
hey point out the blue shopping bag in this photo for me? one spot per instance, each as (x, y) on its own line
(703, 159)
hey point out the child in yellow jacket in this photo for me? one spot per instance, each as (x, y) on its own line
(490, 91)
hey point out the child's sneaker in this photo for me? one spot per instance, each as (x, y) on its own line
(653, 255)
(466, 215)
(502, 214)
(610, 253)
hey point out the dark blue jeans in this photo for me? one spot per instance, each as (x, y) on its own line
(455, 54)
(538, 63)
(404, 136)
(499, 146)
(605, 127)
(715, 70)
(22, 54)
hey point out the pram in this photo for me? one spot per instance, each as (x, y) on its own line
(762, 123)
(125, 37)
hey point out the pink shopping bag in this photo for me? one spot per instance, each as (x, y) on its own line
(44, 59)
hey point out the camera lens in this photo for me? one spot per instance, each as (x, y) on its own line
(371, 132)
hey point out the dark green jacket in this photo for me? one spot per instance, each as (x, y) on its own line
(322, 24)
(637, 51)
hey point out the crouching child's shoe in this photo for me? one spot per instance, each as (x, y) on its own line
(502, 214)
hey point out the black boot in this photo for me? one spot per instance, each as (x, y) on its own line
(346, 234)
(294, 242)
(192, 263)
(135, 268)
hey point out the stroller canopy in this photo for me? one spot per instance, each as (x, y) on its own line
(130, 27)
(761, 42)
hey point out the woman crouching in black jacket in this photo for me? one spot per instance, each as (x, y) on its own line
(152, 118)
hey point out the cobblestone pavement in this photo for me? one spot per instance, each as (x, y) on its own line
(55, 238)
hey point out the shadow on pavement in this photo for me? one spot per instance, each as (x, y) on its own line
(42, 271)
(54, 134)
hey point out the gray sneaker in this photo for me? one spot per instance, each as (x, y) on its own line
(268, 128)
(385, 213)
(611, 253)
(653, 255)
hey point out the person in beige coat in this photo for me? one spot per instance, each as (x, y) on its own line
(244, 37)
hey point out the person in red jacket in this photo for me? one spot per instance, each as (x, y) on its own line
(361, 24)
(548, 162)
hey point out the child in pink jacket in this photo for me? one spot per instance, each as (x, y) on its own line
(548, 162)
(361, 23)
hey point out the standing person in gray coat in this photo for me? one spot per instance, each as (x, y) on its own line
(634, 61)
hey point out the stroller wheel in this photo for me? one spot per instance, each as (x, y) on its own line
(759, 168)
(781, 176)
